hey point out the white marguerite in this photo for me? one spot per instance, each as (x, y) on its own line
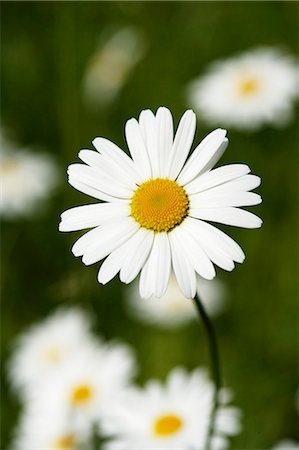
(46, 347)
(27, 178)
(172, 310)
(155, 206)
(286, 444)
(88, 384)
(111, 65)
(171, 416)
(44, 429)
(247, 91)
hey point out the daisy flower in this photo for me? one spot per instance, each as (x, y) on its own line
(155, 207)
(172, 310)
(46, 347)
(174, 416)
(247, 91)
(27, 178)
(44, 429)
(111, 65)
(87, 384)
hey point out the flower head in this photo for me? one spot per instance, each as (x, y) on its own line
(173, 416)
(155, 206)
(27, 178)
(247, 91)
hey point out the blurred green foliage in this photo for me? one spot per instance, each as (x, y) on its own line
(45, 49)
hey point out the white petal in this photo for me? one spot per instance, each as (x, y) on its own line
(112, 236)
(220, 239)
(208, 152)
(164, 126)
(193, 252)
(182, 143)
(108, 166)
(138, 148)
(215, 252)
(99, 180)
(141, 244)
(216, 177)
(118, 156)
(89, 216)
(156, 271)
(147, 123)
(88, 190)
(183, 270)
(85, 241)
(211, 199)
(228, 216)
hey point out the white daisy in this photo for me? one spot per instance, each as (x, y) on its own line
(155, 205)
(44, 429)
(111, 65)
(46, 347)
(27, 178)
(247, 91)
(88, 384)
(286, 444)
(174, 416)
(172, 310)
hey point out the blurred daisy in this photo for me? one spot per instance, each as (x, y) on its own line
(44, 429)
(46, 347)
(172, 310)
(111, 65)
(286, 444)
(247, 91)
(89, 383)
(174, 416)
(26, 180)
(156, 205)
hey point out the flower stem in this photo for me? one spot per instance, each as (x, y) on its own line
(215, 364)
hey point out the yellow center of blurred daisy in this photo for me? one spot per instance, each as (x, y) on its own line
(65, 443)
(159, 204)
(81, 394)
(167, 425)
(248, 86)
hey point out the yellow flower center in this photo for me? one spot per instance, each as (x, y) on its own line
(167, 425)
(65, 443)
(248, 86)
(81, 394)
(160, 204)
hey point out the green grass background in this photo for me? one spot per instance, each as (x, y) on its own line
(45, 49)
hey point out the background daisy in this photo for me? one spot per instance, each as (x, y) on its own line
(256, 88)
(172, 310)
(172, 416)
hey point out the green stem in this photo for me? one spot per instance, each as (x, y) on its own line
(215, 364)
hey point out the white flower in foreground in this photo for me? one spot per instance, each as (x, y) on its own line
(88, 384)
(172, 310)
(43, 429)
(111, 65)
(174, 416)
(155, 205)
(27, 178)
(46, 347)
(286, 444)
(247, 91)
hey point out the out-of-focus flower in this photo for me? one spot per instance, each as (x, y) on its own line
(173, 310)
(43, 429)
(155, 205)
(27, 178)
(174, 416)
(256, 88)
(286, 444)
(111, 65)
(47, 347)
